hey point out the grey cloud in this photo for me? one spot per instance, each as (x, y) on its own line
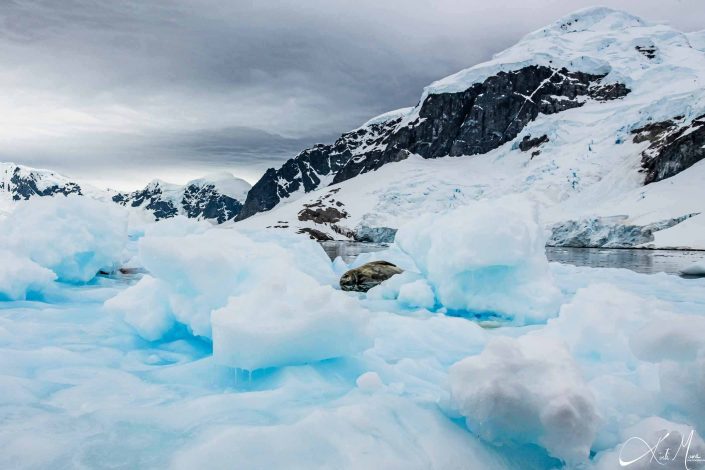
(95, 85)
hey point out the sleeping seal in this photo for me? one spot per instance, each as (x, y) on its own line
(368, 275)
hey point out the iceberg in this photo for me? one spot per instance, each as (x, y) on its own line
(485, 258)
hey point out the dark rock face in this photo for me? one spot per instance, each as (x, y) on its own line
(648, 51)
(470, 122)
(24, 185)
(368, 275)
(673, 148)
(322, 215)
(206, 202)
(308, 169)
(527, 143)
(486, 115)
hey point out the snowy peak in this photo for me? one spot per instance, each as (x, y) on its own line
(597, 19)
(598, 41)
(225, 183)
(216, 197)
(20, 182)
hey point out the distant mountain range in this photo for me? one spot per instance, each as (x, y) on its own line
(217, 197)
(598, 117)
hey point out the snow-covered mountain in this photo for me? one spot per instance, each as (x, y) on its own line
(317, 166)
(600, 117)
(19, 183)
(216, 197)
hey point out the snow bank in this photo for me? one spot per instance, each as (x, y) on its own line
(487, 257)
(288, 319)
(527, 390)
(21, 277)
(73, 236)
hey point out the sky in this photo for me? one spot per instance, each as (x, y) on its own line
(118, 92)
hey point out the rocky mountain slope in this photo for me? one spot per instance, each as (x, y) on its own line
(216, 197)
(589, 116)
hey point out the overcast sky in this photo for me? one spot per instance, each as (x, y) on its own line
(121, 91)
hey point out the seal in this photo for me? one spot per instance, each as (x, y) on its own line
(368, 275)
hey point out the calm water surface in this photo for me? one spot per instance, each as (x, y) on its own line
(641, 261)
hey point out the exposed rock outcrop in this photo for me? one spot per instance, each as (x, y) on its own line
(315, 234)
(674, 147)
(486, 115)
(315, 166)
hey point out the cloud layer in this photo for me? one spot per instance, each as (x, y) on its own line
(120, 92)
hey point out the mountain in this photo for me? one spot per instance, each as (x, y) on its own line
(19, 183)
(599, 117)
(215, 197)
(317, 166)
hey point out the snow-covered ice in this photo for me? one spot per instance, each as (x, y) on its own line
(235, 343)
(304, 322)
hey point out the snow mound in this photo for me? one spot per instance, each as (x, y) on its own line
(527, 391)
(303, 322)
(487, 257)
(75, 236)
(199, 269)
(21, 277)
